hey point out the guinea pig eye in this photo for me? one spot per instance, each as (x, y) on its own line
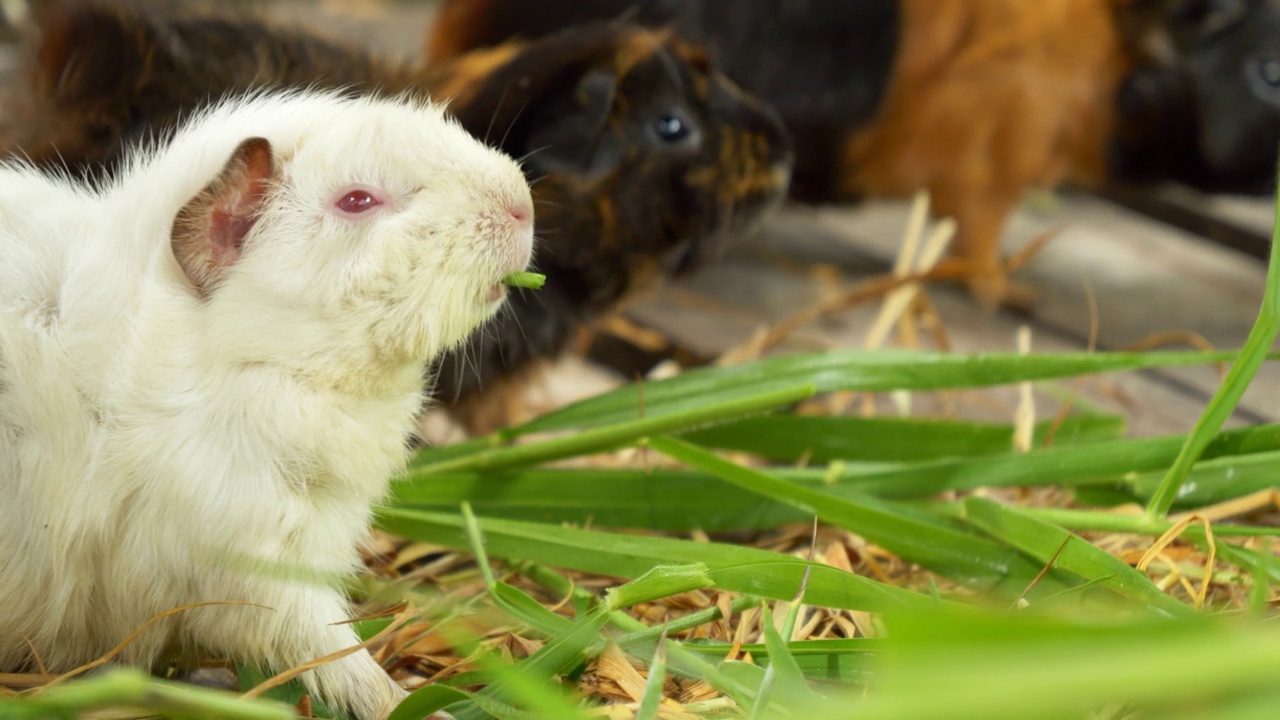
(357, 201)
(1270, 72)
(1263, 75)
(672, 128)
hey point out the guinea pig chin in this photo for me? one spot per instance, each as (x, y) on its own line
(445, 305)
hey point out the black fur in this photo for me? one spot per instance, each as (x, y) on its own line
(1209, 118)
(825, 65)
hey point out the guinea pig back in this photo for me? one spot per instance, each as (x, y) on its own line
(208, 368)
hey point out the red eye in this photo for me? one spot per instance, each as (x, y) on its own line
(358, 201)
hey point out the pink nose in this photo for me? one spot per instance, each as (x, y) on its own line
(522, 215)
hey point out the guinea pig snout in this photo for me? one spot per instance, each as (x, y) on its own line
(522, 214)
(511, 230)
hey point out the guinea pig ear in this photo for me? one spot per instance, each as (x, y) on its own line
(209, 231)
(568, 135)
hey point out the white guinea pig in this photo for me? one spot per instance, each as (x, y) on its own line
(212, 365)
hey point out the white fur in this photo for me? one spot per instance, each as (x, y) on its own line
(155, 445)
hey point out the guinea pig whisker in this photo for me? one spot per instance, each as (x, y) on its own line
(511, 125)
(520, 161)
(502, 99)
(549, 203)
(515, 318)
(467, 362)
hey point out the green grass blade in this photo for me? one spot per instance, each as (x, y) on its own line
(733, 568)
(682, 500)
(1049, 543)
(1013, 666)
(636, 636)
(529, 682)
(1091, 463)
(1261, 338)
(849, 662)
(1215, 481)
(783, 678)
(1101, 521)
(964, 558)
(567, 649)
(607, 438)
(846, 370)
(480, 706)
(821, 439)
(660, 582)
(426, 700)
(661, 499)
(476, 541)
(134, 690)
(1262, 563)
(291, 693)
(641, 638)
(569, 642)
(529, 612)
(653, 686)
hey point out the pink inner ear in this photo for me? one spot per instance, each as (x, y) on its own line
(210, 230)
(235, 212)
(226, 236)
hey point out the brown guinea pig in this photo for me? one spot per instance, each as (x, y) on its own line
(643, 159)
(974, 100)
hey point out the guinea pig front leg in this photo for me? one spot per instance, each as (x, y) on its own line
(356, 682)
(980, 219)
(301, 624)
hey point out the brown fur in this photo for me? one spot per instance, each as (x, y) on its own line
(990, 97)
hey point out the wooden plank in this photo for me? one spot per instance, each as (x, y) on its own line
(1147, 276)
(1240, 223)
(754, 290)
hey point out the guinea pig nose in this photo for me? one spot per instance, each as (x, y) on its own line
(522, 214)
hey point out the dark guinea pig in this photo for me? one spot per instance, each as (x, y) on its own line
(824, 66)
(974, 100)
(1207, 85)
(644, 160)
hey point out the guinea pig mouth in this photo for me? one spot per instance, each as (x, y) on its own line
(496, 292)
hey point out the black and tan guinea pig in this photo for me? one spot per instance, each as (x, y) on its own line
(1209, 80)
(644, 159)
(974, 100)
